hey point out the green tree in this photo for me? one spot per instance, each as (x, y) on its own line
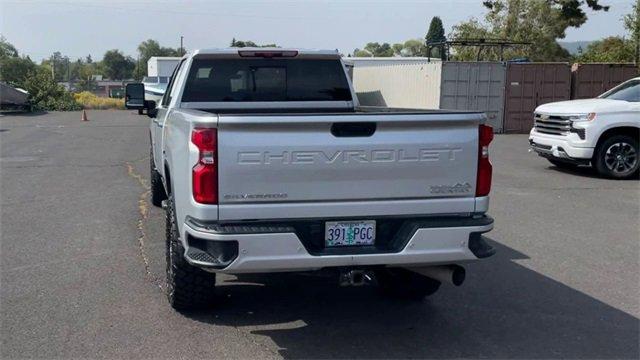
(116, 66)
(75, 68)
(413, 47)
(82, 73)
(361, 53)
(632, 24)
(150, 48)
(7, 49)
(248, 43)
(612, 49)
(46, 94)
(570, 11)
(435, 34)
(379, 50)
(58, 65)
(540, 22)
(14, 70)
(397, 49)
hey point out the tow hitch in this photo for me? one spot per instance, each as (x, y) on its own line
(355, 277)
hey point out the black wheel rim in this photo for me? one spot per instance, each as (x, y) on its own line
(621, 158)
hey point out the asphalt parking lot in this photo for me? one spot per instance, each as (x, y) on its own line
(82, 266)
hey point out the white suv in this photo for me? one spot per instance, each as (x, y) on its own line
(603, 132)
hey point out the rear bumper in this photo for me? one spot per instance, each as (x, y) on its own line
(275, 248)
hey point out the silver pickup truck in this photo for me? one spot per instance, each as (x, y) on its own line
(265, 162)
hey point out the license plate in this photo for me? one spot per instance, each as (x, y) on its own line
(350, 233)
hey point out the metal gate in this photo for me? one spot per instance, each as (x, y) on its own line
(529, 85)
(475, 86)
(591, 80)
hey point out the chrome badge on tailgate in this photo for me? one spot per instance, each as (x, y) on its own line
(458, 188)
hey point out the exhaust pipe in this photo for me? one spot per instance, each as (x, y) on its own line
(452, 274)
(354, 278)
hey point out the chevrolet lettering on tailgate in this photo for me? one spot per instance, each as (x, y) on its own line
(346, 156)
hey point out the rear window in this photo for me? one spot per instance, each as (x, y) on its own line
(219, 80)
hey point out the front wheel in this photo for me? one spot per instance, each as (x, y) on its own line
(617, 157)
(405, 284)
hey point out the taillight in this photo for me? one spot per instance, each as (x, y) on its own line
(205, 172)
(483, 184)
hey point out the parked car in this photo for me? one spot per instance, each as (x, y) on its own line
(13, 98)
(265, 163)
(602, 132)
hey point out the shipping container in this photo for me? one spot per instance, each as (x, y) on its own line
(590, 80)
(529, 85)
(162, 65)
(475, 86)
(397, 82)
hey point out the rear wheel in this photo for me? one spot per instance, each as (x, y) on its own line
(617, 157)
(158, 195)
(405, 284)
(140, 111)
(188, 287)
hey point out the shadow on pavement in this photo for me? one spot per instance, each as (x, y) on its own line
(504, 310)
(586, 171)
(23, 113)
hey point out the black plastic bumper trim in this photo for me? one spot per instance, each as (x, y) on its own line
(479, 246)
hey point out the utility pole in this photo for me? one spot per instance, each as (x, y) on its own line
(638, 51)
(181, 48)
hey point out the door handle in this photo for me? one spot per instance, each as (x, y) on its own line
(353, 129)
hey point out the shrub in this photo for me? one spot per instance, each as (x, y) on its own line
(90, 101)
(46, 94)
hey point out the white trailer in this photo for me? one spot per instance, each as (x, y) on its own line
(159, 70)
(161, 66)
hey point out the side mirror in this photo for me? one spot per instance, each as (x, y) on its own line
(152, 111)
(134, 96)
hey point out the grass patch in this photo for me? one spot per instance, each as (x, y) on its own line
(91, 101)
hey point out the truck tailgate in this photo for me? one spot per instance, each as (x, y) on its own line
(273, 166)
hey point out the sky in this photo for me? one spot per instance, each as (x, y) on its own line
(77, 28)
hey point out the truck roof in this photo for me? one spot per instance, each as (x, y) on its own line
(163, 58)
(235, 51)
